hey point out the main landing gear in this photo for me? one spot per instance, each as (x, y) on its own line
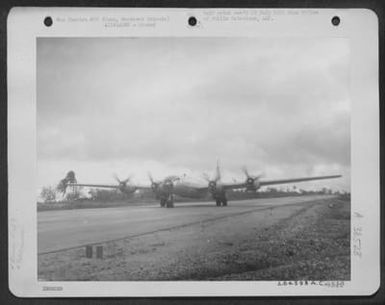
(167, 202)
(221, 202)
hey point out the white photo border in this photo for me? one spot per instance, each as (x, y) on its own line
(25, 25)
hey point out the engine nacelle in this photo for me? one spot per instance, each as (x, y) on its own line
(212, 187)
(166, 187)
(252, 184)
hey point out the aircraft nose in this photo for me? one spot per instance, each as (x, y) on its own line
(212, 185)
(168, 185)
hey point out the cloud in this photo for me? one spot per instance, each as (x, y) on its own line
(181, 103)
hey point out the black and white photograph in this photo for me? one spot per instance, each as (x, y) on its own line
(193, 152)
(193, 159)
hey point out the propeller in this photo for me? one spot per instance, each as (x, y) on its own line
(251, 179)
(122, 182)
(246, 172)
(213, 182)
(150, 177)
(154, 185)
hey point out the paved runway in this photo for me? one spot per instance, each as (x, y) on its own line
(63, 229)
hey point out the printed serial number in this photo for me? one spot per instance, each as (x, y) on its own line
(330, 284)
(52, 288)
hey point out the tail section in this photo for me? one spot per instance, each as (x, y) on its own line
(218, 172)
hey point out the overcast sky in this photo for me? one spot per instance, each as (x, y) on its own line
(176, 105)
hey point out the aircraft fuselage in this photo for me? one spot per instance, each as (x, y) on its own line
(188, 190)
(127, 189)
(165, 192)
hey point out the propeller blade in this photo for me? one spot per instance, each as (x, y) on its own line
(246, 172)
(150, 177)
(206, 177)
(260, 174)
(127, 179)
(244, 169)
(116, 178)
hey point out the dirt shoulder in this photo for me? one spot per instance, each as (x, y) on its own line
(305, 241)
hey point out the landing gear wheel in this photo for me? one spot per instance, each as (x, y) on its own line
(162, 203)
(218, 202)
(170, 202)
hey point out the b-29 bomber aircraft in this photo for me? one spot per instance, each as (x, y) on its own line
(166, 189)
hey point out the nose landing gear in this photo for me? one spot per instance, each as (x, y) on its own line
(162, 202)
(167, 202)
(221, 202)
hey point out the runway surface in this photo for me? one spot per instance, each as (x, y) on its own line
(64, 229)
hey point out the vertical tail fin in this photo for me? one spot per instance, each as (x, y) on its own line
(218, 172)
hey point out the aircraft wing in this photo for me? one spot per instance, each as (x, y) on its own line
(94, 185)
(284, 181)
(233, 186)
(142, 187)
(139, 187)
(225, 186)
